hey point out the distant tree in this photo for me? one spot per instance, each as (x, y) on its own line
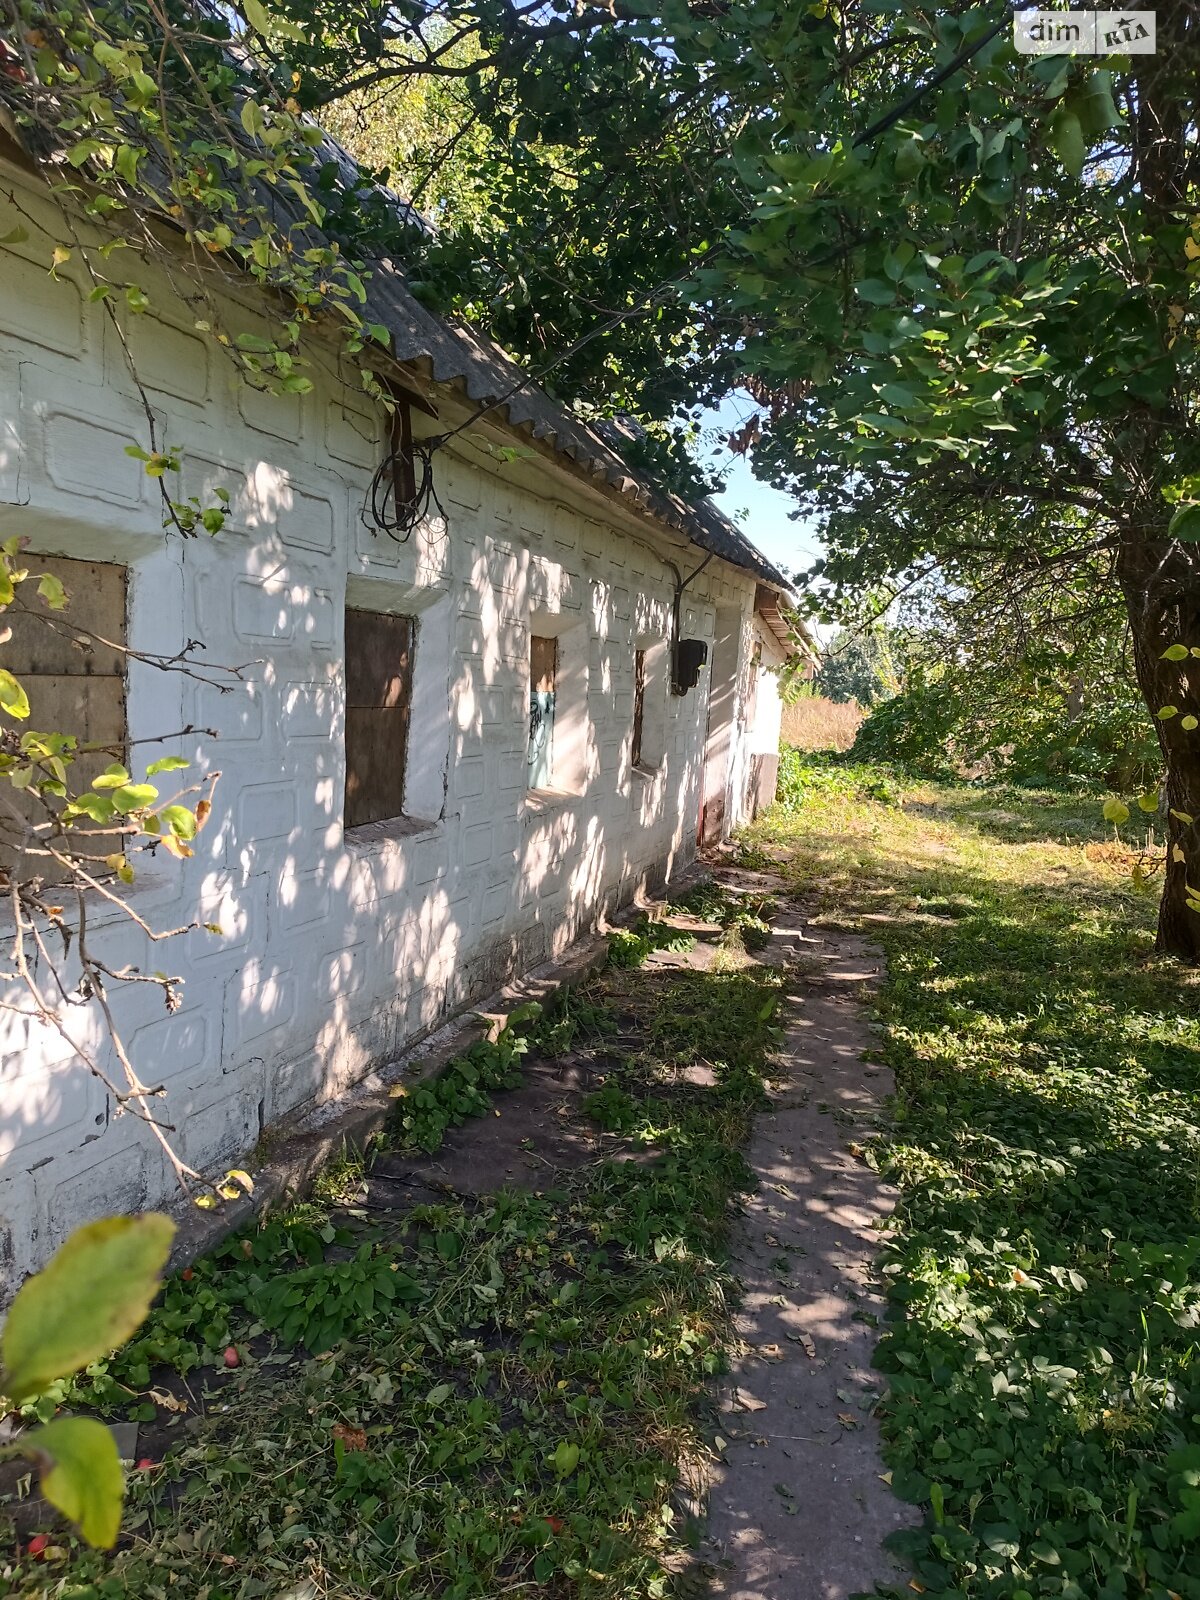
(1015, 676)
(859, 664)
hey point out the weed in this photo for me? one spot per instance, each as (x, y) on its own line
(626, 948)
(805, 777)
(461, 1089)
(572, 1014)
(629, 947)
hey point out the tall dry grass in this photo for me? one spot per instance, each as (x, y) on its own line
(819, 724)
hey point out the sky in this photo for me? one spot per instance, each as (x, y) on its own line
(760, 511)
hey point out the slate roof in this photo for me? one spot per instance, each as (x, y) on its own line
(454, 353)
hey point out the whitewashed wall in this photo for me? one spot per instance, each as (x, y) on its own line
(335, 952)
(762, 736)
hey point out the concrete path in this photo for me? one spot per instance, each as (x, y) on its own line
(799, 1509)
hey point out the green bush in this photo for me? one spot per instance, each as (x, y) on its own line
(914, 730)
(804, 775)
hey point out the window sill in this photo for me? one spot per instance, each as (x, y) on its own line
(538, 801)
(645, 772)
(392, 830)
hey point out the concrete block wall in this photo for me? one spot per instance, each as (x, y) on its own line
(337, 950)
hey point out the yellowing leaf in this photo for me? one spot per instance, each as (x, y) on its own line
(1115, 811)
(1177, 855)
(52, 592)
(81, 1475)
(13, 698)
(92, 1296)
(180, 821)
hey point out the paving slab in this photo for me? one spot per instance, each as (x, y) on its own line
(799, 1508)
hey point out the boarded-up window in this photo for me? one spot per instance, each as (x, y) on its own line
(74, 679)
(543, 674)
(639, 704)
(379, 658)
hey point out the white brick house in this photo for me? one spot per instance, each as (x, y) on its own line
(341, 946)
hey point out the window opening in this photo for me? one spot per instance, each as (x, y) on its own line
(543, 674)
(639, 704)
(379, 662)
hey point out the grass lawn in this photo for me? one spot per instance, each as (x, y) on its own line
(475, 1395)
(1045, 1263)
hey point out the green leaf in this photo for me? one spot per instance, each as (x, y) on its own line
(112, 777)
(180, 820)
(1175, 652)
(17, 235)
(13, 698)
(165, 764)
(81, 1475)
(1185, 523)
(132, 796)
(126, 162)
(96, 806)
(875, 291)
(257, 16)
(1188, 723)
(566, 1459)
(1095, 106)
(92, 1296)
(1165, 713)
(1115, 811)
(1066, 140)
(252, 118)
(1149, 800)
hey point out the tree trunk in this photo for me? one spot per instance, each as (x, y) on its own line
(1161, 584)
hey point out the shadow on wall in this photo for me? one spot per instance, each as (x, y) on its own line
(334, 953)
